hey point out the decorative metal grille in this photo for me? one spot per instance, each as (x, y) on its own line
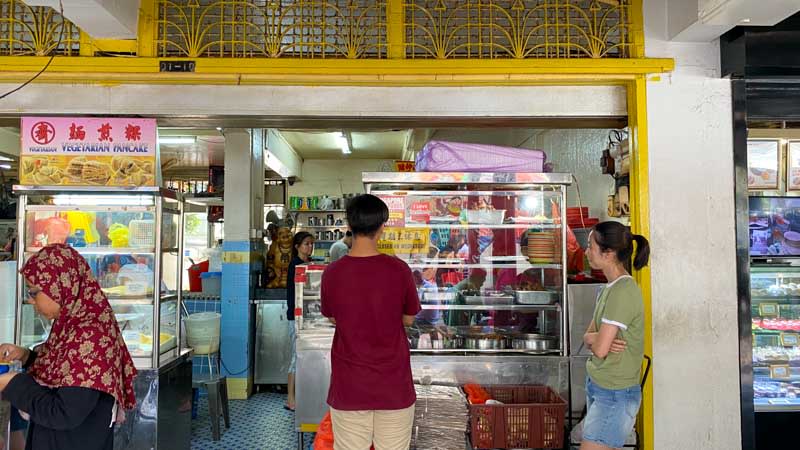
(272, 28)
(35, 31)
(445, 29)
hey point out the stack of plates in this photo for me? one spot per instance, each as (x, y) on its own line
(544, 247)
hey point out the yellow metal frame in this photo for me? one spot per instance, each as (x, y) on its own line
(286, 71)
(640, 224)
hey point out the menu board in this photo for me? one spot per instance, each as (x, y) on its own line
(762, 164)
(793, 171)
(88, 151)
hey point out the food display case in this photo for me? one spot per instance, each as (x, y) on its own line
(493, 310)
(132, 239)
(775, 309)
(488, 255)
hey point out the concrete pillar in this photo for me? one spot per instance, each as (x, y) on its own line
(244, 216)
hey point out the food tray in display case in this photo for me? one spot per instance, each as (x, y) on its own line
(486, 251)
(132, 240)
(775, 310)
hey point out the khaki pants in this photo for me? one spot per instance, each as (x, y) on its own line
(386, 429)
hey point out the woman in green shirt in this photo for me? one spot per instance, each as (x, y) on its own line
(615, 337)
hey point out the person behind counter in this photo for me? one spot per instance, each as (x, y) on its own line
(342, 246)
(302, 249)
(616, 338)
(77, 380)
(370, 297)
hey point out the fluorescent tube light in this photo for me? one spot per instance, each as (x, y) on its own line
(5, 166)
(342, 141)
(177, 140)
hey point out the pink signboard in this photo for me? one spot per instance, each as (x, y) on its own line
(88, 151)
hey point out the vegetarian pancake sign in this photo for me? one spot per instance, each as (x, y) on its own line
(88, 151)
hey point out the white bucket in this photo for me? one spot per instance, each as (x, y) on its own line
(202, 332)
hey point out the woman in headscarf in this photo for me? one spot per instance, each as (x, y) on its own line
(80, 379)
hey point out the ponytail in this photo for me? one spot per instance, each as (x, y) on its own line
(613, 236)
(642, 252)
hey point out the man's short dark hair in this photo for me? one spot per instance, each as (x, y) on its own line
(365, 214)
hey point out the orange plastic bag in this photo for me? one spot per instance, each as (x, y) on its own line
(324, 438)
(476, 394)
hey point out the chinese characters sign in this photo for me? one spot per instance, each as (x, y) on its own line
(404, 242)
(80, 151)
(405, 166)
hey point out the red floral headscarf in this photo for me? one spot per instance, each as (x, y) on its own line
(85, 347)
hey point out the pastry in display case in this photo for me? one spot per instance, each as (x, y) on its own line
(486, 251)
(116, 232)
(775, 309)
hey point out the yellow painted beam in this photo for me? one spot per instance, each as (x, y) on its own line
(147, 28)
(109, 70)
(637, 29)
(640, 224)
(395, 29)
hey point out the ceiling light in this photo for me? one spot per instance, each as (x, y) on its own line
(177, 140)
(5, 166)
(219, 129)
(5, 158)
(745, 21)
(342, 141)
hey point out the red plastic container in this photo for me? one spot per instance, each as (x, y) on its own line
(531, 417)
(195, 283)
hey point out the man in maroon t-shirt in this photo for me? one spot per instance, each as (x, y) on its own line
(370, 297)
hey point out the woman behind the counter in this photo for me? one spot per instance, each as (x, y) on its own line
(77, 379)
(302, 249)
(615, 337)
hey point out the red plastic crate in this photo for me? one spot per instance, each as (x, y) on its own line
(531, 417)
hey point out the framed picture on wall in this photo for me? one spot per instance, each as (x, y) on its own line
(763, 158)
(793, 167)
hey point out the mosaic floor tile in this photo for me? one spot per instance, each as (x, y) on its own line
(259, 423)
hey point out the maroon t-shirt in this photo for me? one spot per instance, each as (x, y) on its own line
(370, 361)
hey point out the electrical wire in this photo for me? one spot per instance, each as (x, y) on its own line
(52, 57)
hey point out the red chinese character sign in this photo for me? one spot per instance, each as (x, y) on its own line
(88, 151)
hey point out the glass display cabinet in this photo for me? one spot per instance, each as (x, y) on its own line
(487, 251)
(132, 240)
(775, 309)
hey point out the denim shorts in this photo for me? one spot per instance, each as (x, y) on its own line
(610, 414)
(292, 347)
(17, 422)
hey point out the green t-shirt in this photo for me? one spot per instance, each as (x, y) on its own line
(620, 304)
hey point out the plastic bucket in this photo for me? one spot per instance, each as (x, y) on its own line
(195, 283)
(202, 332)
(212, 283)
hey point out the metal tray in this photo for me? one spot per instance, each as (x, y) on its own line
(489, 299)
(536, 297)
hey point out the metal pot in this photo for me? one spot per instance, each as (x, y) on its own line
(484, 342)
(536, 342)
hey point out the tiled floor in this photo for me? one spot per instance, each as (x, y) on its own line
(259, 423)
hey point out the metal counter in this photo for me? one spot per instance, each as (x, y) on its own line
(162, 419)
(314, 371)
(565, 375)
(582, 299)
(273, 352)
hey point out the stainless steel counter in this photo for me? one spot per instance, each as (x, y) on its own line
(162, 419)
(314, 369)
(273, 352)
